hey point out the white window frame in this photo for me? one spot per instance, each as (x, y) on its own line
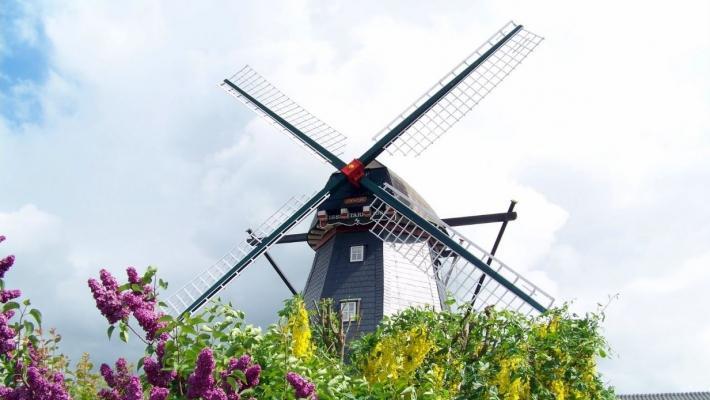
(355, 251)
(349, 317)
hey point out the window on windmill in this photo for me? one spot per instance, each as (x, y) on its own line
(357, 253)
(349, 310)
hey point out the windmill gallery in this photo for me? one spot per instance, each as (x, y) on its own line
(379, 247)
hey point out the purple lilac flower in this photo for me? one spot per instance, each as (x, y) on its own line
(134, 301)
(201, 380)
(38, 387)
(2, 238)
(156, 375)
(159, 393)
(107, 298)
(134, 390)
(243, 362)
(7, 295)
(109, 394)
(215, 394)
(133, 277)
(107, 373)
(7, 334)
(148, 319)
(123, 375)
(252, 373)
(108, 280)
(5, 264)
(160, 349)
(303, 387)
(122, 385)
(118, 379)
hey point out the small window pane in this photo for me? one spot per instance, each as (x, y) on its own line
(349, 310)
(357, 253)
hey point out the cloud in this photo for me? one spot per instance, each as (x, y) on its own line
(601, 135)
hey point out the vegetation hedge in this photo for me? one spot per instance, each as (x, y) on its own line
(214, 355)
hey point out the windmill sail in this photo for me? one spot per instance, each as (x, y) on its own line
(451, 267)
(211, 281)
(248, 82)
(494, 63)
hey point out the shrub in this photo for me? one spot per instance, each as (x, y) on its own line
(213, 355)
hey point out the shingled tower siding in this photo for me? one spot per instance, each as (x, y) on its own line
(334, 276)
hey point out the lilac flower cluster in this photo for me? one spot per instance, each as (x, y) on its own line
(118, 381)
(41, 385)
(7, 333)
(154, 368)
(7, 295)
(108, 298)
(117, 306)
(251, 371)
(5, 264)
(201, 382)
(304, 388)
(124, 386)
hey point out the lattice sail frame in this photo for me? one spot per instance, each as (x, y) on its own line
(464, 96)
(451, 270)
(181, 299)
(267, 94)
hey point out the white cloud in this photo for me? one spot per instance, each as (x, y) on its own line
(693, 274)
(602, 135)
(30, 229)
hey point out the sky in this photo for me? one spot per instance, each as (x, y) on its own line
(117, 148)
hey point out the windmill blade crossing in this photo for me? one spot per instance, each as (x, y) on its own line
(455, 260)
(459, 91)
(207, 284)
(267, 101)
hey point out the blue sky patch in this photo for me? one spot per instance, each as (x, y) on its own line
(24, 48)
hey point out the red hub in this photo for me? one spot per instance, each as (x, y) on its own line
(354, 171)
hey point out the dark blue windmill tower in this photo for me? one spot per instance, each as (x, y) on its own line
(379, 247)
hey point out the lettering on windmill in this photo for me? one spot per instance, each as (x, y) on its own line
(355, 200)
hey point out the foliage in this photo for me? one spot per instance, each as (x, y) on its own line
(214, 355)
(29, 367)
(85, 383)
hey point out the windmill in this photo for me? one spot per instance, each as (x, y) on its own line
(379, 247)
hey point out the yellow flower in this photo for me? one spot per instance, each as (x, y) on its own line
(416, 349)
(300, 330)
(438, 374)
(397, 356)
(558, 389)
(515, 389)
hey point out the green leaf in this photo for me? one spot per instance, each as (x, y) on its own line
(26, 302)
(37, 315)
(124, 336)
(241, 375)
(29, 327)
(232, 382)
(12, 305)
(148, 276)
(110, 330)
(166, 318)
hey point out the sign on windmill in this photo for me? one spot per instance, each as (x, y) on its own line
(379, 247)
